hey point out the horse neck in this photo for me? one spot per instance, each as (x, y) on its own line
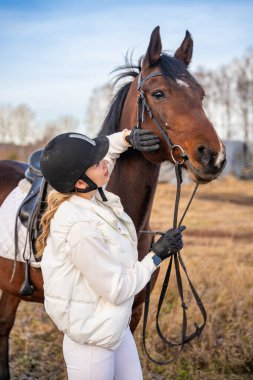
(134, 178)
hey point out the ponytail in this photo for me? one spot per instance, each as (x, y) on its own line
(54, 200)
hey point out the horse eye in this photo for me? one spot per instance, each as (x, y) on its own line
(158, 95)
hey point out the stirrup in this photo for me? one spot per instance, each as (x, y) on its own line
(27, 287)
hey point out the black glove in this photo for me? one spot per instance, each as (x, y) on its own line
(143, 140)
(169, 243)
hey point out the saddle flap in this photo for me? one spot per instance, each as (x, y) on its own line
(30, 202)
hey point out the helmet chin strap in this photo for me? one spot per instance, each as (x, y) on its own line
(91, 186)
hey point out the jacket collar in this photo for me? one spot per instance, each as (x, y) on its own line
(113, 202)
(102, 209)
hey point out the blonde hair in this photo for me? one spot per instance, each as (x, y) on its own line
(54, 200)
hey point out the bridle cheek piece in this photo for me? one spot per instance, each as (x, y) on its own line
(142, 106)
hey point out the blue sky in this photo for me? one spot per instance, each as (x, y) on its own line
(54, 53)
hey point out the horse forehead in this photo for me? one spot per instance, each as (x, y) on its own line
(180, 81)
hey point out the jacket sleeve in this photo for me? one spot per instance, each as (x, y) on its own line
(92, 257)
(118, 145)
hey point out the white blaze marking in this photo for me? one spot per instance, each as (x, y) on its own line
(180, 82)
(220, 156)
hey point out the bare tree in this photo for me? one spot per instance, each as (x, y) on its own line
(224, 96)
(229, 97)
(22, 124)
(244, 91)
(97, 107)
(208, 80)
(50, 131)
(6, 118)
(205, 78)
(67, 123)
(64, 124)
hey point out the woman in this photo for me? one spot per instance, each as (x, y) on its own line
(90, 261)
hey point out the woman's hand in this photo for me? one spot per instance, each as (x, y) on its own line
(169, 243)
(143, 140)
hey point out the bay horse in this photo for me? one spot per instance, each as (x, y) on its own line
(175, 98)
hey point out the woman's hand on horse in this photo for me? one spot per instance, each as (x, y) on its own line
(169, 243)
(143, 140)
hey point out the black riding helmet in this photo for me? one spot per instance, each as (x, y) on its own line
(66, 158)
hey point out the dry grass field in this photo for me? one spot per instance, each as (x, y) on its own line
(218, 254)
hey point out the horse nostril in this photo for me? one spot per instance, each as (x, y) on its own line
(212, 162)
(205, 155)
(201, 149)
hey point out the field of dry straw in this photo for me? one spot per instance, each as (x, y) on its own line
(219, 257)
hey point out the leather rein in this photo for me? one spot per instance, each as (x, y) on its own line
(142, 106)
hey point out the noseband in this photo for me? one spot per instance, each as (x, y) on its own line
(142, 105)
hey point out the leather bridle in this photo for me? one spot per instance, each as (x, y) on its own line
(142, 106)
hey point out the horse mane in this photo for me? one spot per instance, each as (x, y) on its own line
(112, 119)
(171, 67)
(111, 122)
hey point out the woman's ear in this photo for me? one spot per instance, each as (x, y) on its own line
(80, 184)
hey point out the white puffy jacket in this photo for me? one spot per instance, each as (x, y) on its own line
(90, 266)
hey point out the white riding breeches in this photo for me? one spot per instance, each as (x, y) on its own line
(86, 362)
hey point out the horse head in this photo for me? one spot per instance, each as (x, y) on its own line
(173, 101)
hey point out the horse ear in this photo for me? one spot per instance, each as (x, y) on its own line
(154, 48)
(184, 52)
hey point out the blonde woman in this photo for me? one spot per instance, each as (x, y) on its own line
(90, 261)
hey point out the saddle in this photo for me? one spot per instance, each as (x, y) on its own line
(30, 212)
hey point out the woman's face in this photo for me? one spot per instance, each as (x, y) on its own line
(98, 173)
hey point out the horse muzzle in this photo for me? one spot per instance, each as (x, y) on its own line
(210, 165)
